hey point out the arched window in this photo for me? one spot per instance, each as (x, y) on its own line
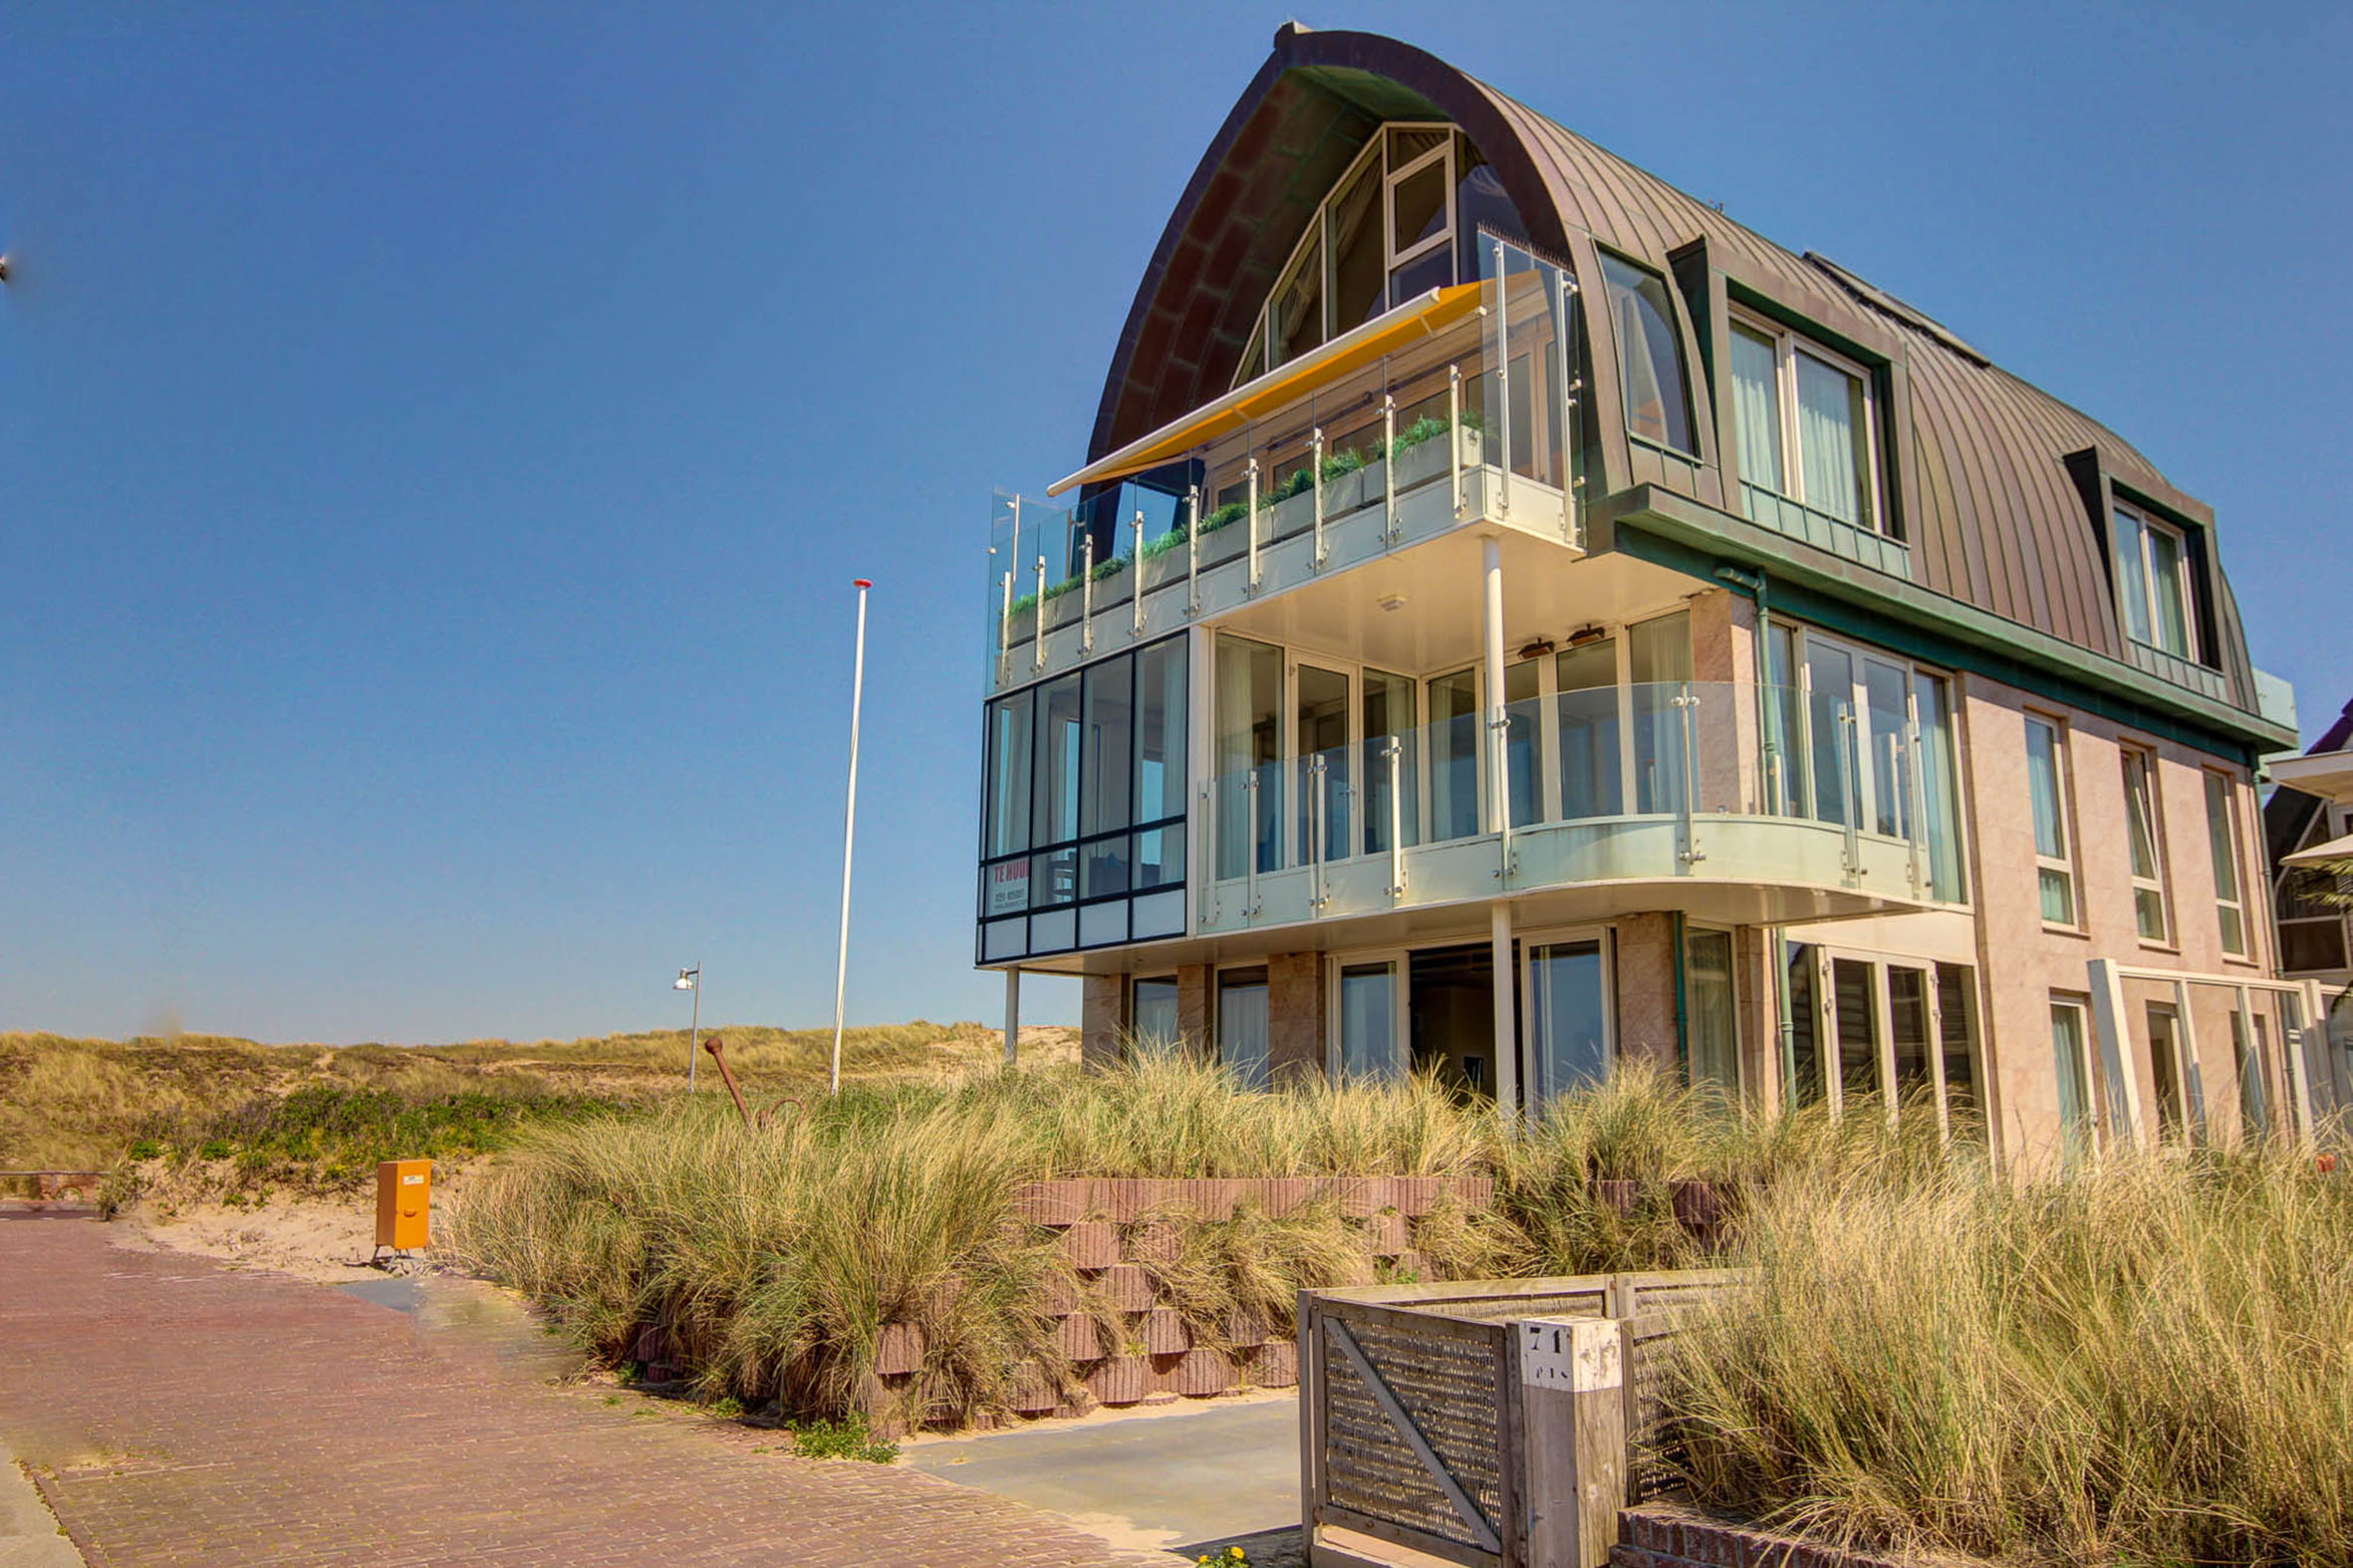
(1389, 228)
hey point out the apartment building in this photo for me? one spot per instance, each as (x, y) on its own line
(1511, 621)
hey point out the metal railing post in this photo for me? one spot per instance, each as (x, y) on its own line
(1250, 519)
(1087, 595)
(1395, 751)
(1318, 470)
(1503, 385)
(1850, 759)
(1454, 431)
(1389, 528)
(1038, 622)
(1914, 802)
(1317, 768)
(1005, 625)
(1499, 731)
(1687, 700)
(1135, 572)
(1563, 287)
(1250, 864)
(1193, 550)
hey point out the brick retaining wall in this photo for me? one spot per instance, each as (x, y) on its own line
(1662, 1535)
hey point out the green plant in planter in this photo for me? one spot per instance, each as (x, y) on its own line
(1340, 464)
(1230, 513)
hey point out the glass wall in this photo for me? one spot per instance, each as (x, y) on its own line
(1249, 716)
(1242, 1038)
(1084, 806)
(1153, 1013)
(1710, 1030)
(1370, 1024)
(1568, 1027)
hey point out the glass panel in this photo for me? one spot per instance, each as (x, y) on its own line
(1907, 1028)
(1568, 1018)
(1160, 731)
(2075, 1105)
(2132, 576)
(1389, 714)
(1102, 866)
(1523, 771)
(1454, 760)
(1757, 406)
(1154, 1025)
(2222, 842)
(1009, 756)
(1296, 313)
(1480, 198)
(1320, 734)
(1407, 145)
(1418, 208)
(1432, 270)
(1784, 726)
(1854, 996)
(1355, 246)
(1833, 442)
(2139, 826)
(2255, 1116)
(2164, 1069)
(1885, 689)
(1255, 361)
(1954, 1012)
(1160, 858)
(1659, 659)
(1805, 1055)
(2042, 786)
(1939, 781)
(1650, 357)
(1242, 1026)
(1587, 678)
(2165, 581)
(1368, 1021)
(1056, 820)
(1830, 717)
(1707, 994)
(1053, 879)
(1249, 744)
(1110, 744)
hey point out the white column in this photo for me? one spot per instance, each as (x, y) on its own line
(1498, 799)
(1507, 1014)
(2126, 1123)
(1012, 1016)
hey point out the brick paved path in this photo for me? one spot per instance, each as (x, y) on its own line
(177, 1413)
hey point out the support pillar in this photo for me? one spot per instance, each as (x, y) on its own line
(1012, 1016)
(1498, 789)
(1507, 1014)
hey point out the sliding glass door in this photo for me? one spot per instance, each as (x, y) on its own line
(1567, 1029)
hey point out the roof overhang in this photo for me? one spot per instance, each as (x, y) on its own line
(2322, 854)
(2327, 774)
(1424, 315)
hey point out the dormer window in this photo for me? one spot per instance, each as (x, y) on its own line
(1650, 355)
(2153, 581)
(1808, 422)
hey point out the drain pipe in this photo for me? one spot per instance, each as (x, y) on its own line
(1758, 587)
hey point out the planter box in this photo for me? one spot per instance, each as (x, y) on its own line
(1033, 1392)
(899, 1347)
(1050, 1203)
(1079, 1337)
(1346, 494)
(1154, 1241)
(1699, 1206)
(1133, 1197)
(1212, 1197)
(1164, 1333)
(1288, 518)
(1622, 1196)
(1245, 1329)
(1119, 1380)
(1276, 1366)
(1204, 1372)
(1091, 1244)
(1126, 1287)
(1389, 1234)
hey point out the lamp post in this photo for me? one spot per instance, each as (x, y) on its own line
(849, 829)
(691, 980)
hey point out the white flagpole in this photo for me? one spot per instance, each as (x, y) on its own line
(849, 833)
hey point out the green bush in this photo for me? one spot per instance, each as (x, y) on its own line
(848, 1438)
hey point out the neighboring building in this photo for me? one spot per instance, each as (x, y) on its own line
(1574, 630)
(2308, 828)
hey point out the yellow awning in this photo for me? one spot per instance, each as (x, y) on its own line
(1424, 315)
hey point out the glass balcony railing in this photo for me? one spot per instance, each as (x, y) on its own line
(1495, 390)
(1687, 753)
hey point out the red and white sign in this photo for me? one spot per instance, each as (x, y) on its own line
(1008, 887)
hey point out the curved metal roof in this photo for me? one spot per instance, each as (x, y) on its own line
(1995, 515)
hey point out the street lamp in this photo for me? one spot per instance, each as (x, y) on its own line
(691, 980)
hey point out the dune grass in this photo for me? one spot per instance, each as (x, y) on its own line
(2151, 1363)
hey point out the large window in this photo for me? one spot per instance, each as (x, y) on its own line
(1388, 230)
(1152, 1013)
(2154, 584)
(1650, 355)
(2071, 1061)
(1242, 1026)
(2046, 788)
(2144, 831)
(1085, 805)
(1900, 1032)
(1808, 422)
(1713, 1058)
(2221, 830)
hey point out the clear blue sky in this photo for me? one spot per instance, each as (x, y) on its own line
(435, 442)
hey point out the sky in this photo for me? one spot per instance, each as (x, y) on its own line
(437, 442)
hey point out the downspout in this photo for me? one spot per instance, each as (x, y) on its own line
(1775, 956)
(1683, 1017)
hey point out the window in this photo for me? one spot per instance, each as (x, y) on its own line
(1320, 746)
(1250, 791)
(1152, 1013)
(2144, 832)
(2046, 785)
(2311, 932)
(2167, 1071)
(1567, 998)
(1368, 1019)
(2153, 582)
(1454, 762)
(1964, 1117)
(1712, 1037)
(1803, 1064)
(1903, 1030)
(2221, 830)
(1650, 355)
(1808, 422)
(1392, 762)
(2255, 1112)
(2070, 1052)
(1242, 1038)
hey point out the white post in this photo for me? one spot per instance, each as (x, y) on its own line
(1394, 753)
(695, 1030)
(2310, 1048)
(2126, 1123)
(1192, 549)
(1250, 520)
(1562, 288)
(1135, 574)
(1498, 786)
(1037, 625)
(1316, 458)
(1012, 1015)
(1454, 432)
(1503, 385)
(1506, 1013)
(849, 834)
(1087, 595)
(1389, 528)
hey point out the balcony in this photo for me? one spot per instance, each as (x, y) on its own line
(1452, 413)
(1732, 802)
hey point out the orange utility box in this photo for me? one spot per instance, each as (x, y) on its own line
(404, 1204)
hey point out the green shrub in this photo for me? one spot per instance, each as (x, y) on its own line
(848, 1438)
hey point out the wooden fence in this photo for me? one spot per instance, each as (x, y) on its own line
(1492, 1422)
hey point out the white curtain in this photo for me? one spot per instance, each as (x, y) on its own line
(1829, 427)
(1757, 406)
(2132, 572)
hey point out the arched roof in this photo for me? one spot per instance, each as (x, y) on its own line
(1995, 517)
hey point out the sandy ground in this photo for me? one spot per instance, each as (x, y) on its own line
(326, 1239)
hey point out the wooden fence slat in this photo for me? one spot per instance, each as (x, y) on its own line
(1480, 1527)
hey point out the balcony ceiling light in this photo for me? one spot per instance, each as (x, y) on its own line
(1390, 601)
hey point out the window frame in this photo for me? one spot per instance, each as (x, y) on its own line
(1401, 992)
(2146, 522)
(2229, 834)
(2330, 822)
(1683, 364)
(1604, 934)
(1788, 344)
(2159, 883)
(1166, 977)
(2088, 1137)
(2065, 863)
(1886, 1089)
(1217, 989)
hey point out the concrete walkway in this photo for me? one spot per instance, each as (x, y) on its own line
(175, 1411)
